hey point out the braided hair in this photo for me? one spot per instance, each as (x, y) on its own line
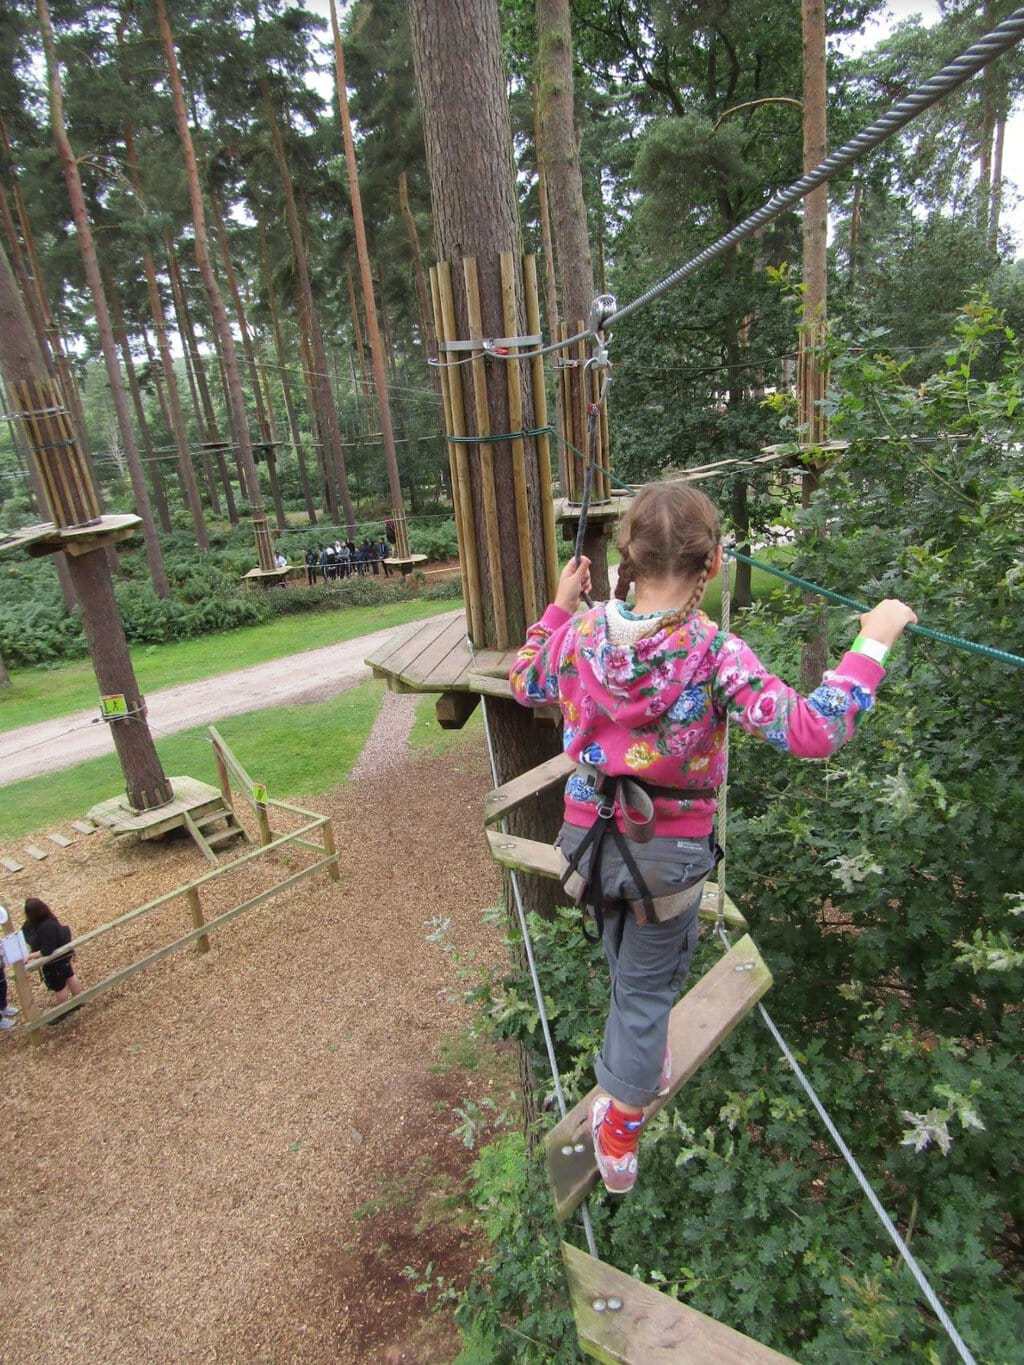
(670, 531)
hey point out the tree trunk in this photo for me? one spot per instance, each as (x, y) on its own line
(422, 295)
(989, 83)
(5, 677)
(282, 363)
(380, 379)
(327, 479)
(457, 56)
(363, 387)
(855, 216)
(811, 416)
(90, 263)
(547, 242)
(330, 428)
(559, 154)
(64, 469)
(128, 360)
(996, 201)
(187, 331)
(268, 436)
(53, 339)
(236, 399)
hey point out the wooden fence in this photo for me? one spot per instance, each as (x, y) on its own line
(305, 836)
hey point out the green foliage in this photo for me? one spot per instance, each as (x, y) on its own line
(877, 887)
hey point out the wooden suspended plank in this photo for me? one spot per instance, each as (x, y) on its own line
(544, 860)
(649, 1328)
(34, 851)
(61, 840)
(703, 1018)
(490, 687)
(83, 826)
(12, 864)
(512, 794)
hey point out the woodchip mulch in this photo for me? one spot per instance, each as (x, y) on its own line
(234, 1157)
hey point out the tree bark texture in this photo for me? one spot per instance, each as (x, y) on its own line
(813, 379)
(283, 368)
(22, 366)
(187, 331)
(330, 427)
(90, 263)
(380, 378)
(128, 360)
(236, 400)
(422, 295)
(457, 55)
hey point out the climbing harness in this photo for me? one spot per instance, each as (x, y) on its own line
(633, 801)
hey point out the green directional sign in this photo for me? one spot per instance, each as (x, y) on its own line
(114, 706)
(259, 793)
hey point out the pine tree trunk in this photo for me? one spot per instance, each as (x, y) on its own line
(380, 379)
(330, 428)
(996, 201)
(236, 399)
(282, 364)
(90, 263)
(21, 363)
(811, 417)
(422, 294)
(5, 677)
(268, 436)
(327, 478)
(363, 385)
(128, 360)
(559, 154)
(53, 346)
(457, 56)
(186, 330)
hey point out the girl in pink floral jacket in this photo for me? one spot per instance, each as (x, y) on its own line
(646, 694)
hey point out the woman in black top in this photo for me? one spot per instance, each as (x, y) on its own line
(44, 934)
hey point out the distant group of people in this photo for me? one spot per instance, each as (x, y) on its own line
(344, 558)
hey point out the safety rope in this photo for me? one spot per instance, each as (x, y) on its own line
(823, 1114)
(939, 636)
(1003, 37)
(524, 929)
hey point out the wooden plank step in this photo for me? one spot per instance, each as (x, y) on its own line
(223, 835)
(490, 687)
(12, 864)
(61, 840)
(649, 1328)
(544, 860)
(512, 794)
(34, 851)
(200, 841)
(703, 1018)
(83, 826)
(208, 819)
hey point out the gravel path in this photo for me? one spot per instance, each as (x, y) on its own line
(230, 1159)
(313, 675)
(385, 746)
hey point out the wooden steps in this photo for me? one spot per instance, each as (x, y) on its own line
(702, 1019)
(544, 860)
(635, 1324)
(499, 802)
(208, 840)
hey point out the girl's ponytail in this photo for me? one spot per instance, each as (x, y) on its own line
(626, 576)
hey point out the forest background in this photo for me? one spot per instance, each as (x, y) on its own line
(885, 887)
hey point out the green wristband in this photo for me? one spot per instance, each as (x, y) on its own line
(874, 649)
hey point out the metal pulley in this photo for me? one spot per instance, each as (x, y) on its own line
(601, 309)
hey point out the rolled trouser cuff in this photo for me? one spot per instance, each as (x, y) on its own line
(622, 1090)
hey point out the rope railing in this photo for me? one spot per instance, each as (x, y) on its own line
(941, 637)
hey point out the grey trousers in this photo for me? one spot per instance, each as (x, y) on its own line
(648, 962)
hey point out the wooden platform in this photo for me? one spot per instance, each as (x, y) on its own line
(624, 1322)
(435, 656)
(267, 578)
(597, 512)
(45, 538)
(191, 797)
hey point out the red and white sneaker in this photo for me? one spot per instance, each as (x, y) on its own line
(665, 1080)
(617, 1172)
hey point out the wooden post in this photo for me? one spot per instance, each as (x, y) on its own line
(222, 777)
(264, 822)
(334, 871)
(23, 989)
(196, 908)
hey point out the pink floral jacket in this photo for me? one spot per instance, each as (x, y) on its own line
(658, 710)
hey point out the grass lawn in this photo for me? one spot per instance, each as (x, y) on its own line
(297, 750)
(427, 736)
(42, 693)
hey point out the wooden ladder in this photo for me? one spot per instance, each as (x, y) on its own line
(619, 1319)
(207, 840)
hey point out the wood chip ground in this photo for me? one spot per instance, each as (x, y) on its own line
(234, 1157)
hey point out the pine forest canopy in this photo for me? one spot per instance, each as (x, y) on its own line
(686, 121)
